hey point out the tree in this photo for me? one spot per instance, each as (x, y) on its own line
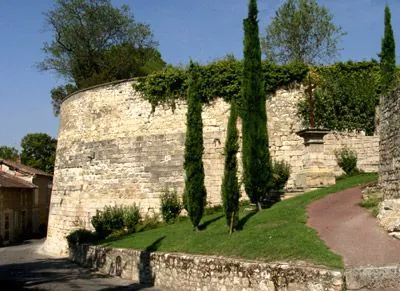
(230, 186)
(301, 31)
(195, 190)
(94, 42)
(9, 153)
(256, 161)
(39, 151)
(388, 55)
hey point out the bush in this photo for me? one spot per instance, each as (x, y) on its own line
(347, 160)
(280, 174)
(113, 218)
(171, 207)
(131, 217)
(150, 222)
(81, 236)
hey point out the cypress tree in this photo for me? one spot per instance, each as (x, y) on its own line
(230, 185)
(256, 161)
(388, 54)
(195, 191)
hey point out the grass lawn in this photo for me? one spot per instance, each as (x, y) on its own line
(279, 233)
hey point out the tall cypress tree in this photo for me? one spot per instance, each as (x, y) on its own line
(195, 190)
(388, 54)
(256, 161)
(230, 185)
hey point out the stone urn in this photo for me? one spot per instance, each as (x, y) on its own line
(315, 173)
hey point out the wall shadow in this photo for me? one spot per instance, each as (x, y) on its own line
(146, 276)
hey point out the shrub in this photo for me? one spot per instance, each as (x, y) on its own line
(150, 222)
(347, 160)
(131, 217)
(113, 218)
(280, 175)
(171, 207)
(81, 236)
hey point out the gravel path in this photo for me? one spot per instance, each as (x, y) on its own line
(351, 231)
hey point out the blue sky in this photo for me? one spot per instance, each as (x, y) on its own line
(203, 30)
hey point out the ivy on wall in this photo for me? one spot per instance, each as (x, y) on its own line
(219, 79)
(345, 98)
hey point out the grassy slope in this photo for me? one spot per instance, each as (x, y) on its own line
(278, 233)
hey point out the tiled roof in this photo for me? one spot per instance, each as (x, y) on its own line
(24, 168)
(8, 181)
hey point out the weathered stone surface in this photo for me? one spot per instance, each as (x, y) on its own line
(112, 150)
(194, 272)
(373, 278)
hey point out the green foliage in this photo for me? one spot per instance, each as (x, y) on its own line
(114, 218)
(81, 236)
(171, 207)
(59, 94)
(255, 152)
(388, 54)
(222, 78)
(94, 42)
(345, 98)
(301, 30)
(131, 216)
(347, 160)
(8, 153)
(371, 204)
(39, 151)
(230, 190)
(195, 190)
(280, 174)
(150, 222)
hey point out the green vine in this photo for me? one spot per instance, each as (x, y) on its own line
(345, 98)
(220, 79)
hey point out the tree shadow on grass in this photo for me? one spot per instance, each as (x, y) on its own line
(205, 224)
(244, 220)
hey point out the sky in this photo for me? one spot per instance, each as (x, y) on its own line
(202, 30)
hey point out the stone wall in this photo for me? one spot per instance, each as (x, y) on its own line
(112, 150)
(389, 154)
(194, 272)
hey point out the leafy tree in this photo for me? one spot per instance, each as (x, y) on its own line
(256, 161)
(388, 54)
(302, 31)
(195, 190)
(94, 42)
(39, 151)
(230, 190)
(8, 153)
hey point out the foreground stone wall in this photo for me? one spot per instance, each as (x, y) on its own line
(194, 272)
(112, 150)
(389, 154)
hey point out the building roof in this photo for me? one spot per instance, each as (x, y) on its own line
(8, 181)
(24, 168)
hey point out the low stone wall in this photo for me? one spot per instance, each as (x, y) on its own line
(194, 272)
